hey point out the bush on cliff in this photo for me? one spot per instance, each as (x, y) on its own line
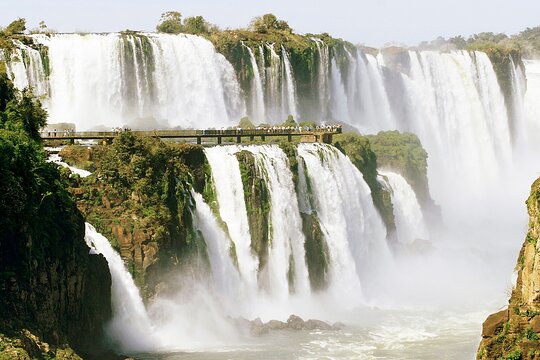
(140, 199)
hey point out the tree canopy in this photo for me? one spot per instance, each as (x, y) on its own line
(267, 23)
(170, 23)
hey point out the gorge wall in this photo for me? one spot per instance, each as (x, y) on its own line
(512, 333)
(54, 294)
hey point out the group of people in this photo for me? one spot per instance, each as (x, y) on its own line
(58, 133)
(278, 129)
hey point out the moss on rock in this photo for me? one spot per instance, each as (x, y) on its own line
(258, 205)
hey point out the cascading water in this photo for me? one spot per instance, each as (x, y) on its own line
(352, 226)
(287, 237)
(530, 102)
(451, 100)
(322, 75)
(518, 117)
(257, 94)
(130, 327)
(408, 214)
(141, 81)
(289, 86)
(25, 67)
(461, 121)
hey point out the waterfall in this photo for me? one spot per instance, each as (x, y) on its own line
(338, 97)
(289, 86)
(232, 208)
(408, 214)
(130, 327)
(273, 86)
(352, 226)
(461, 121)
(225, 275)
(141, 81)
(25, 67)
(287, 238)
(322, 75)
(531, 105)
(257, 95)
(518, 116)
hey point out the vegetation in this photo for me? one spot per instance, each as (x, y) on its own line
(403, 153)
(171, 23)
(140, 198)
(268, 23)
(42, 241)
(258, 205)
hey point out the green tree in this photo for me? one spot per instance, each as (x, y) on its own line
(170, 23)
(20, 112)
(458, 41)
(245, 123)
(268, 22)
(16, 27)
(196, 25)
(290, 121)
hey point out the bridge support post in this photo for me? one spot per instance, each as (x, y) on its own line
(238, 139)
(251, 138)
(289, 138)
(72, 141)
(263, 138)
(199, 140)
(219, 140)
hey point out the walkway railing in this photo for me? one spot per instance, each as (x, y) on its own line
(319, 134)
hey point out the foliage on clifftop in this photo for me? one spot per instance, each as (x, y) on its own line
(514, 333)
(404, 154)
(49, 284)
(139, 197)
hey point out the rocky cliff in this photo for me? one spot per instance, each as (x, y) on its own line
(140, 200)
(513, 332)
(53, 292)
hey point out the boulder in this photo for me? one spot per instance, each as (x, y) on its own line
(312, 324)
(494, 323)
(295, 322)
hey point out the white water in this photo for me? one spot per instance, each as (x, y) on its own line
(147, 81)
(257, 94)
(289, 87)
(353, 228)
(287, 238)
(531, 103)
(410, 223)
(130, 327)
(322, 75)
(451, 100)
(57, 159)
(232, 208)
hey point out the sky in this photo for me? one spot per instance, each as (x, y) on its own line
(369, 22)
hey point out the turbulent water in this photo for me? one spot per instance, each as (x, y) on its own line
(481, 149)
(410, 223)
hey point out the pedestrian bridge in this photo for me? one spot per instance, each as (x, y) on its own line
(322, 134)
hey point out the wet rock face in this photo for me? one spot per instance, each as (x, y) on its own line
(62, 294)
(514, 332)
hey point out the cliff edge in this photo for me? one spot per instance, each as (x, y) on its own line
(513, 332)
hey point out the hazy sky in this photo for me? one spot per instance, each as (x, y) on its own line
(370, 22)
